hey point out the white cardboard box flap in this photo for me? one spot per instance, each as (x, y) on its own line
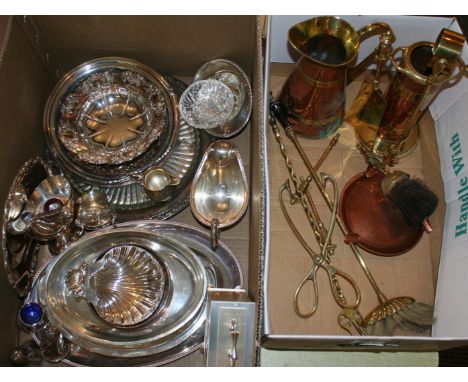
(451, 309)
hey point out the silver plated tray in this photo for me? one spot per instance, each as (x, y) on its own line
(109, 111)
(173, 322)
(222, 269)
(20, 251)
(130, 200)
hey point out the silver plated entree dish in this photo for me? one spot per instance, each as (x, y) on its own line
(128, 293)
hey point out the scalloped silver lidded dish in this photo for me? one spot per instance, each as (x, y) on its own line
(219, 195)
(129, 293)
(222, 270)
(109, 111)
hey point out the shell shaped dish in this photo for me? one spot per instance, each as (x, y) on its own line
(127, 286)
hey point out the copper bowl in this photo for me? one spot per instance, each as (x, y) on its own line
(373, 221)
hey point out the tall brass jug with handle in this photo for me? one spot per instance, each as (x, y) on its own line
(315, 90)
(422, 71)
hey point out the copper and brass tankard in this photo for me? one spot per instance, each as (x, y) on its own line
(315, 90)
(422, 71)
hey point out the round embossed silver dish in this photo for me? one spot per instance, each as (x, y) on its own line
(177, 317)
(109, 111)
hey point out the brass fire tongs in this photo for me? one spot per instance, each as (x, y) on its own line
(403, 311)
(349, 317)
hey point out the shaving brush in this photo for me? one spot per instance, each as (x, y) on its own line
(412, 196)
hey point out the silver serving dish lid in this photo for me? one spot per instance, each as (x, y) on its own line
(109, 111)
(179, 291)
(221, 265)
(232, 75)
(222, 268)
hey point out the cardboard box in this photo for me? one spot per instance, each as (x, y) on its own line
(433, 272)
(36, 51)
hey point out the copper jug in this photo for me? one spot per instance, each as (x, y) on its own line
(315, 90)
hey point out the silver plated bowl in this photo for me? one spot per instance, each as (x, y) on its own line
(178, 315)
(130, 199)
(109, 111)
(232, 75)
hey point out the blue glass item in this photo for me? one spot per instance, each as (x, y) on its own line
(31, 314)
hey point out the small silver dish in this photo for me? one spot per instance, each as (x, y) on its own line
(219, 193)
(51, 194)
(47, 210)
(230, 74)
(159, 184)
(94, 211)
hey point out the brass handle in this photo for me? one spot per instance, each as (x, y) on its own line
(421, 79)
(375, 28)
(387, 38)
(232, 353)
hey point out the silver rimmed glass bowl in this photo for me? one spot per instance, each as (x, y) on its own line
(231, 75)
(109, 111)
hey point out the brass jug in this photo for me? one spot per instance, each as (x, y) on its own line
(422, 70)
(315, 90)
